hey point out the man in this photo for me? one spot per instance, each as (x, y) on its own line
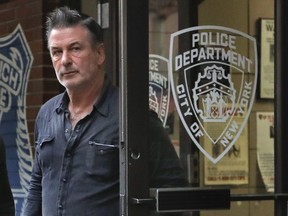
(76, 168)
(7, 207)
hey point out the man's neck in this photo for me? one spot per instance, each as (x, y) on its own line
(81, 102)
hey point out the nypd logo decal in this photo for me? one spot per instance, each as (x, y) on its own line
(159, 86)
(216, 77)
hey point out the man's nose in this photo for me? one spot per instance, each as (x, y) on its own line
(66, 58)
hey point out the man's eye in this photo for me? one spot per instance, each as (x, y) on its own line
(75, 49)
(56, 53)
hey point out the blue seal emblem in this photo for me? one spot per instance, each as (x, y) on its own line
(15, 64)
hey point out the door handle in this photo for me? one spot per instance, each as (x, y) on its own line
(143, 201)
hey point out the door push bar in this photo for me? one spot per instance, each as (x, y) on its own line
(185, 199)
(194, 199)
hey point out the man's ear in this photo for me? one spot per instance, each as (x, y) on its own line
(101, 54)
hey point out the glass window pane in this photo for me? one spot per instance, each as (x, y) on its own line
(211, 82)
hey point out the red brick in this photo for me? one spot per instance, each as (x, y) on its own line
(29, 9)
(7, 15)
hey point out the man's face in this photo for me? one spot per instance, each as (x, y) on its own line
(75, 61)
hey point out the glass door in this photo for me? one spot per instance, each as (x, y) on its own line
(197, 111)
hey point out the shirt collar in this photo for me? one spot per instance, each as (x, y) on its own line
(100, 105)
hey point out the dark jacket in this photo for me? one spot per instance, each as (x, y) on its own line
(7, 207)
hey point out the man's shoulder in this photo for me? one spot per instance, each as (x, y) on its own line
(154, 120)
(51, 104)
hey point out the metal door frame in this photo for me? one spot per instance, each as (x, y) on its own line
(133, 67)
(281, 105)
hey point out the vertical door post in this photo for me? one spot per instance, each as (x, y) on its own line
(133, 66)
(281, 104)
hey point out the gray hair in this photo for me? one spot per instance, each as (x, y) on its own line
(64, 17)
